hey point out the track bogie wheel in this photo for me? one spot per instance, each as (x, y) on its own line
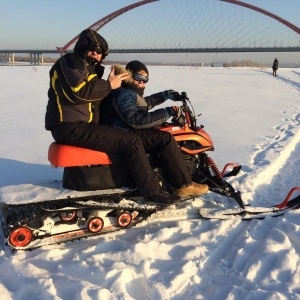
(124, 219)
(68, 216)
(20, 237)
(95, 224)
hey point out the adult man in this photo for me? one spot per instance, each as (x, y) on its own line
(126, 108)
(75, 93)
(275, 67)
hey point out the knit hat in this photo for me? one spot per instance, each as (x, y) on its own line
(135, 66)
(88, 41)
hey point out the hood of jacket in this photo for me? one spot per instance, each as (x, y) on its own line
(89, 40)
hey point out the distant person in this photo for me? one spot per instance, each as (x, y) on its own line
(74, 96)
(275, 67)
(127, 108)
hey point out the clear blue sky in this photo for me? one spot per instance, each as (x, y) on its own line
(286, 9)
(34, 24)
(45, 24)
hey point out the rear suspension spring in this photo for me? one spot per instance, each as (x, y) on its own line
(214, 167)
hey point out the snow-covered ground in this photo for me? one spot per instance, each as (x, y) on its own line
(253, 119)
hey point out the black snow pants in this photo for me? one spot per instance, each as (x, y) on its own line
(163, 145)
(133, 146)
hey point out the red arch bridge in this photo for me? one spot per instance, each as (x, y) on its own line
(187, 26)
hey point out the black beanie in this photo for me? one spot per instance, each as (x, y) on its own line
(89, 40)
(135, 66)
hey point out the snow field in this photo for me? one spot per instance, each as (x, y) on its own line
(253, 119)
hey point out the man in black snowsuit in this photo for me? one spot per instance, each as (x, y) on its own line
(275, 67)
(75, 93)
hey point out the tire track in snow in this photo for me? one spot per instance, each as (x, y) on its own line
(237, 264)
(288, 176)
(293, 82)
(221, 271)
(287, 80)
(274, 168)
(277, 166)
(265, 270)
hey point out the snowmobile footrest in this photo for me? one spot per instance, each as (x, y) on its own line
(236, 169)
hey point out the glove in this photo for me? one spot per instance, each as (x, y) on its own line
(173, 95)
(176, 112)
(99, 69)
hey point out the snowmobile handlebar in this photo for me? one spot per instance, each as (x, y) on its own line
(188, 110)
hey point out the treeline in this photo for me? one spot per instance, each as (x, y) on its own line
(243, 63)
(27, 59)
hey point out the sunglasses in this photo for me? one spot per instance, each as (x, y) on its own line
(98, 50)
(139, 77)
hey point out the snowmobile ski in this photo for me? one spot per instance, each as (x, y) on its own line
(249, 213)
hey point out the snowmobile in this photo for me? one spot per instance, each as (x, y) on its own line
(101, 196)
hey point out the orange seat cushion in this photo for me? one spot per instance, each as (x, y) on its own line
(70, 156)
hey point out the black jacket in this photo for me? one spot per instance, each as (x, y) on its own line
(275, 65)
(124, 108)
(75, 92)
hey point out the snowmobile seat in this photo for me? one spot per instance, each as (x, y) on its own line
(61, 155)
(89, 170)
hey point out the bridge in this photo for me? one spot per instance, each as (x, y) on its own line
(186, 26)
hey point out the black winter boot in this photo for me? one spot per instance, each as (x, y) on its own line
(162, 198)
